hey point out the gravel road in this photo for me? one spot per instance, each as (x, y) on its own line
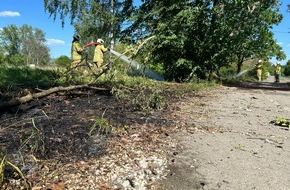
(229, 142)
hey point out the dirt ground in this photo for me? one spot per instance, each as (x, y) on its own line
(221, 138)
(88, 139)
(240, 148)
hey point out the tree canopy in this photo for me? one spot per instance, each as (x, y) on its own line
(92, 19)
(191, 37)
(23, 45)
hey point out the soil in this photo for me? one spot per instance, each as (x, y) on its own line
(219, 138)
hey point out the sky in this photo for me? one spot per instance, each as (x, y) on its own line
(32, 13)
(282, 32)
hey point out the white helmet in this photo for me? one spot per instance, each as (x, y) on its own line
(260, 61)
(100, 41)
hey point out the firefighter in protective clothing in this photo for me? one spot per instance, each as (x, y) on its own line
(277, 72)
(76, 50)
(259, 70)
(99, 51)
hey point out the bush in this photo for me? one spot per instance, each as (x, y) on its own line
(63, 61)
(287, 70)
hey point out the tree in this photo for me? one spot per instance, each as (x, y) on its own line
(33, 45)
(24, 45)
(287, 69)
(10, 42)
(63, 61)
(202, 36)
(256, 19)
(191, 37)
(92, 19)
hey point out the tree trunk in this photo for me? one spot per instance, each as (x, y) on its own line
(240, 63)
(29, 97)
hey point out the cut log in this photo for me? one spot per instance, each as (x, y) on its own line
(29, 97)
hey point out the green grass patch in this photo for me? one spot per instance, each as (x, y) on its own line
(12, 77)
(16, 79)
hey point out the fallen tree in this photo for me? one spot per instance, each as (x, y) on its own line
(33, 96)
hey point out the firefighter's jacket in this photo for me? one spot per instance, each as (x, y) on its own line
(277, 69)
(76, 51)
(99, 53)
(259, 65)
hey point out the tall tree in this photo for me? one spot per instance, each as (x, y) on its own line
(251, 34)
(92, 19)
(203, 35)
(40, 52)
(24, 45)
(191, 37)
(10, 42)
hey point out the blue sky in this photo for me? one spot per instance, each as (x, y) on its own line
(282, 31)
(31, 12)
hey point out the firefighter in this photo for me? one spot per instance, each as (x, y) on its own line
(259, 70)
(99, 51)
(76, 51)
(277, 72)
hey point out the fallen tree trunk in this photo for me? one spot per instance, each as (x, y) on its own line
(29, 97)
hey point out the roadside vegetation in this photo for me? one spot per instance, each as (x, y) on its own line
(31, 137)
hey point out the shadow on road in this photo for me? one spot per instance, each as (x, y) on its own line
(267, 84)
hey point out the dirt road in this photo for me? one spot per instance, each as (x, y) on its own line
(232, 144)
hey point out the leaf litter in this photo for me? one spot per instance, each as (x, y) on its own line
(51, 140)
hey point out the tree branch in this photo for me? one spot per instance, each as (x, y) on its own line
(29, 97)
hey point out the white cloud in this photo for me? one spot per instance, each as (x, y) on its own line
(54, 42)
(280, 43)
(9, 14)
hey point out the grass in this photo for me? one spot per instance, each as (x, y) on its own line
(14, 172)
(12, 77)
(18, 81)
(101, 126)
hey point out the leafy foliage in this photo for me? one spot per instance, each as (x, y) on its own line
(282, 122)
(92, 19)
(201, 37)
(191, 38)
(287, 69)
(63, 61)
(23, 46)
